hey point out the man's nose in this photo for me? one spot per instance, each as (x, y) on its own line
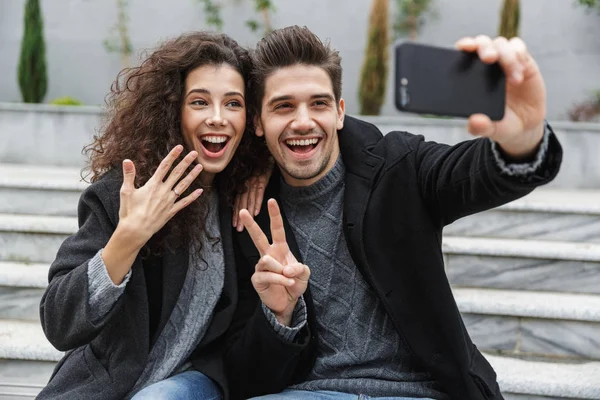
(303, 120)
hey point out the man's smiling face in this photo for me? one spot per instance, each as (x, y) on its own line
(300, 119)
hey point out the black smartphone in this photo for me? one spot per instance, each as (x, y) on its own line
(447, 82)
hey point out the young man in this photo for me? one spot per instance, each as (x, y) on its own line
(365, 212)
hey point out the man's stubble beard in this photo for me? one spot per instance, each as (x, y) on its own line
(299, 176)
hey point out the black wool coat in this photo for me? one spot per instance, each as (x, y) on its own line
(400, 192)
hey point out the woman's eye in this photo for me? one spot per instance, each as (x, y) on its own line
(199, 103)
(234, 103)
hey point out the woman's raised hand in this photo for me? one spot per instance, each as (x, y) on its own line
(145, 210)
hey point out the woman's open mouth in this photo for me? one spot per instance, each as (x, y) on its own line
(214, 145)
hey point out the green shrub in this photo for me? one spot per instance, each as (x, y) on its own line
(374, 70)
(510, 19)
(66, 101)
(33, 79)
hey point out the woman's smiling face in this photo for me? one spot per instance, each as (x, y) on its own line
(213, 116)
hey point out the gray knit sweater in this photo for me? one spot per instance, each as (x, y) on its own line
(359, 351)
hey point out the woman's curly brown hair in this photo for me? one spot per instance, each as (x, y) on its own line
(143, 123)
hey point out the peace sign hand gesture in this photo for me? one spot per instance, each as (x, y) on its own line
(279, 279)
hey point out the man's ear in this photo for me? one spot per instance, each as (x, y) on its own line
(258, 130)
(341, 108)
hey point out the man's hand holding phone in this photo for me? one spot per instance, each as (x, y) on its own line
(521, 130)
(495, 83)
(279, 279)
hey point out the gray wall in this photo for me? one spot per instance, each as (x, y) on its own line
(53, 135)
(564, 40)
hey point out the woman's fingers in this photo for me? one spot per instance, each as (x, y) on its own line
(182, 186)
(128, 177)
(241, 203)
(251, 196)
(186, 201)
(165, 165)
(178, 171)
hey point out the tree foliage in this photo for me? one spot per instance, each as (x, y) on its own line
(32, 74)
(264, 9)
(510, 19)
(375, 66)
(410, 17)
(119, 41)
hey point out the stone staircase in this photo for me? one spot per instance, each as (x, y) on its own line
(526, 277)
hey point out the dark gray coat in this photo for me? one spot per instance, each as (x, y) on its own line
(104, 360)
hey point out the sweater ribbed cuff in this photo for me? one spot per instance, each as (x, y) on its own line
(523, 169)
(299, 318)
(103, 292)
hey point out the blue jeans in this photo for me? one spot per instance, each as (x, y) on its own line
(190, 385)
(291, 394)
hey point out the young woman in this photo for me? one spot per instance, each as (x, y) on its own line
(141, 296)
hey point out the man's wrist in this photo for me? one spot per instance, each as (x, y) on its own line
(285, 317)
(526, 147)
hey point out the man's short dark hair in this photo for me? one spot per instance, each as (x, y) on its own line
(291, 46)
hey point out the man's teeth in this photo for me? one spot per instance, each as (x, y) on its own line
(214, 139)
(304, 142)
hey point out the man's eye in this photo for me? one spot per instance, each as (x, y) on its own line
(284, 105)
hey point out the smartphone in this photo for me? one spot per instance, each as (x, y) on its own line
(447, 82)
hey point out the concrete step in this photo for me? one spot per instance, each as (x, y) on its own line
(23, 379)
(28, 361)
(47, 190)
(470, 261)
(21, 288)
(520, 379)
(523, 264)
(544, 214)
(25, 340)
(549, 325)
(33, 238)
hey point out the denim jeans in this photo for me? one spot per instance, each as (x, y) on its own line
(190, 385)
(290, 394)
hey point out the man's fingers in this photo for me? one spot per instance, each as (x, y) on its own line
(277, 229)
(268, 263)
(481, 125)
(128, 176)
(262, 280)
(466, 44)
(298, 271)
(256, 234)
(485, 49)
(165, 164)
(508, 60)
